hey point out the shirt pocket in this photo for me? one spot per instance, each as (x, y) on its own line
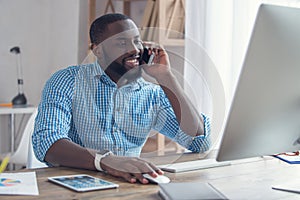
(139, 123)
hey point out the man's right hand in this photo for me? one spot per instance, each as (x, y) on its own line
(66, 153)
(129, 168)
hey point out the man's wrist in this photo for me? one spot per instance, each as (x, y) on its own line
(165, 79)
(99, 156)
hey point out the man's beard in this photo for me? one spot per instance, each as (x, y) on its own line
(118, 71)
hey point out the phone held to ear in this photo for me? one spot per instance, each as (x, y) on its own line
(146, 57)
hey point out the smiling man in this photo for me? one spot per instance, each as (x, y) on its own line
(98, 116)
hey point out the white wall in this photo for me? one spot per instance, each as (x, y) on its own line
(47, 32)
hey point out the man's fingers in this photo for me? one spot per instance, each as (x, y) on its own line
(141, 178)
(156, 169)
(131, 169)
(127, 176)
(144, 167)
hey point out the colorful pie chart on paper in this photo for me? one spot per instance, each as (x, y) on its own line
(5, 182)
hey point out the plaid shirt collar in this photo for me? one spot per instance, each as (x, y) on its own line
(99, 73)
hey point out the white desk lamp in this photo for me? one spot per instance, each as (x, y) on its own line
(20, 99)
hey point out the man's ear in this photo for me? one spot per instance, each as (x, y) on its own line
(97, 50)
(99, 53)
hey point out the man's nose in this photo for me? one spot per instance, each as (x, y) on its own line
(132, 48)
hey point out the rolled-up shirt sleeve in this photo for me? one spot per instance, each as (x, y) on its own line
(54, 113)
(201, 143)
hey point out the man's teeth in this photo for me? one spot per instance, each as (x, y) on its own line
(132, 60)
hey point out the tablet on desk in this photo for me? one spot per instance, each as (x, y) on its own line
(82, 182)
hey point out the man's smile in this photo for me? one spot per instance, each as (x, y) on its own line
(131, 62)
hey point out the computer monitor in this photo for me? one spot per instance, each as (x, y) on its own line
(264, 117)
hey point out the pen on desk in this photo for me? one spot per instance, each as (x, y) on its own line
(4, 164)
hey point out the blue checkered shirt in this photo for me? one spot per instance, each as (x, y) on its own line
(82, 104)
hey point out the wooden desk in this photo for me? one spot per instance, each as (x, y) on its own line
(241, 180)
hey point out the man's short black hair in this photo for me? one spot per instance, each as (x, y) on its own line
(99, 26)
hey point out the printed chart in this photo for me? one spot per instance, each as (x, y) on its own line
(6, 182)
(23, 183)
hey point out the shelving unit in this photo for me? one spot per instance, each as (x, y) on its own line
(164, 22)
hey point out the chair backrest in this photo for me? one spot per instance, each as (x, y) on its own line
(21, 153)
(32, 161)
(24, 154)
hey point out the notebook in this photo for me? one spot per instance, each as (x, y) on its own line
(292, 159)
(189, 191)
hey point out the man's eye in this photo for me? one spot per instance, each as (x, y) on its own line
(122, 43)
(138, 42)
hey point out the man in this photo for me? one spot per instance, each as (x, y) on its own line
(98, 116)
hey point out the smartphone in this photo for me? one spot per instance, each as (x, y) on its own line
(146, 57)
(82, 182)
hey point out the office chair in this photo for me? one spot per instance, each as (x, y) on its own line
(32, 161)
(24, 153)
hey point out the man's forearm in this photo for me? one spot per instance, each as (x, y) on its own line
(190, 121)
(66, 153)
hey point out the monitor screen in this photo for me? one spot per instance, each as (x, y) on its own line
(264, 117)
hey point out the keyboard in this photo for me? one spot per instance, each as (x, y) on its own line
(192, 165)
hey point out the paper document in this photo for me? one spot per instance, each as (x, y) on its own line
(288, 187)
(18, 184)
